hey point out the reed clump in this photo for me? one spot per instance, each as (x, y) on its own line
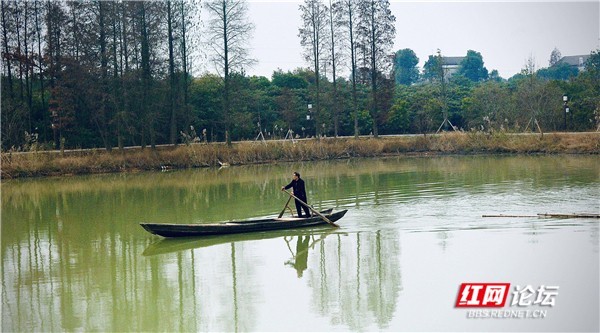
(47, 163)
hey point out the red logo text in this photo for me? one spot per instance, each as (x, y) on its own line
(482, 295)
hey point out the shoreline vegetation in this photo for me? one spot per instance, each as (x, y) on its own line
(78, 162)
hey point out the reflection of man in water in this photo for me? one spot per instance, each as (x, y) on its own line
(301, 255)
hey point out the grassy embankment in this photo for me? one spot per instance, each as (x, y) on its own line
(41, 163)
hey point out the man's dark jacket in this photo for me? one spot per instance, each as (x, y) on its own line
(299, 189)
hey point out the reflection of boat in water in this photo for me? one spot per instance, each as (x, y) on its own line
(234, 227)
(170, 245)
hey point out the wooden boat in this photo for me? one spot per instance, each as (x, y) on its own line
(234, 227)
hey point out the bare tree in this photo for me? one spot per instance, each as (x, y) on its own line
(348, 15)
(172, 81)
(189, 14)
(537, 98)
(38, 29)
(313, 37)
(6, 58)
(336, 25)
(376, 34)
(228, 34)
(555, 57)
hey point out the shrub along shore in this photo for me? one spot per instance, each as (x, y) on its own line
(52, 163)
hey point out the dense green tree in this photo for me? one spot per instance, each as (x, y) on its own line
(488, 107)
(405, 67)
(583, 93)
(495, 76)
(560, 71)
(472, 67)
(398, 118)
(288, 80)
(424, 109)
(206, 99)
(431, 68)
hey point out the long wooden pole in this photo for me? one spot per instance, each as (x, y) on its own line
(286, 206)
(582, 215)
(311, 209)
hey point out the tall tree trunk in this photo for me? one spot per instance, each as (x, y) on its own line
(353, 65)
(124, 58)
(316, 54)
(117, 100)
(172, 83)
(333, 67)
(6, 57)
(40, 58)
(147, 121)
(184, 60)
(54, 23)
(124, 48)
(226, 104)
(374, 106)
(104, 107)
(28, 68)
(18, 51)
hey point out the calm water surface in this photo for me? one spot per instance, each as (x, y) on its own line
(74, 257)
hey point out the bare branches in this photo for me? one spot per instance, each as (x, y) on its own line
(228, 34)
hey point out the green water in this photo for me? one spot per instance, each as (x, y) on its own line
(74, 257)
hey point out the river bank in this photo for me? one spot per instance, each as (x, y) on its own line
(44, 163)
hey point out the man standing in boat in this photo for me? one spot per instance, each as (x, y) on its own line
(299, 191)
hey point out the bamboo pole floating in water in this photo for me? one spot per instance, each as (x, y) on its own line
(503, 215)
(560, 216)
(311, 209)
(581, 215)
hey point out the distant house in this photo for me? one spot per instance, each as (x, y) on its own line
(576, 61)
(451, 65)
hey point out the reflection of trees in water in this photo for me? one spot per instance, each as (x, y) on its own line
(232, 308)
(358, 279)
(210, 185)
(73, 241)
(53, 282)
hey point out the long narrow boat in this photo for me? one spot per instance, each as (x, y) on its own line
(234, 227)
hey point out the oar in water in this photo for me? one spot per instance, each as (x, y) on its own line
(311, 209)
(286, 206)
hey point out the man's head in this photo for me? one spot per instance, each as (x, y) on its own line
(296, 175)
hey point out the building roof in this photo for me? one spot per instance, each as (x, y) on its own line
(452, 61)
(575, 60)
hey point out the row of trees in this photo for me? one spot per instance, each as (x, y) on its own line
(96, 73)
(105, 74)
(527, 101)
(354, 34)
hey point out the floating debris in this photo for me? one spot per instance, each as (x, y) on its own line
(556, 216)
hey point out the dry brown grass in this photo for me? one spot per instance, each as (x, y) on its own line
(207, 155)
